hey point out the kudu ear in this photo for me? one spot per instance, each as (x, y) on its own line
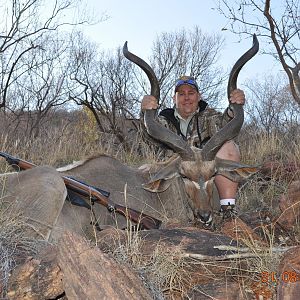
(161, 180)
(233, 170)
(157, 186)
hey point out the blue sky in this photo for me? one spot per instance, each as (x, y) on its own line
(140, 21)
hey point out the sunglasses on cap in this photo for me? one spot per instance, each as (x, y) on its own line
(189, 80)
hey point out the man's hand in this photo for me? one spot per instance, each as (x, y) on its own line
(237, 96)
(149, 102)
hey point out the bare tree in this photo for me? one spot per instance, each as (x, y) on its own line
(42, 88)
(111, 87)
(22, 26)
(105, 84)
(33, 67)
(188, 53)
(270, 106)
(279, 26)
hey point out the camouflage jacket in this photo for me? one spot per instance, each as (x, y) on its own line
(203, 125)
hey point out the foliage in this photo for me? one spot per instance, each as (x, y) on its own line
(33, 65)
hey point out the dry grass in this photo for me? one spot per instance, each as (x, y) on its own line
(261, 194)
(61, 146)
(169, 272)
(163, 271)
(258, 147)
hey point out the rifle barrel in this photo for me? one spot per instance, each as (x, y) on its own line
(146, 221)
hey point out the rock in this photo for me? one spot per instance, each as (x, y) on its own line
(195, 250)
(110, 238)
(289, 205)
(77, 270)
(190, 240)
(262, 290)
(239, 231)
(38, 278)
(288, 287)
(89, 273)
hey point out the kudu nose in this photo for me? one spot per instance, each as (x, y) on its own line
(205, 217)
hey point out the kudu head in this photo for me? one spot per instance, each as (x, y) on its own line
(196, 167)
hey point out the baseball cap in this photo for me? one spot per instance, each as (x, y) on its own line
(189, 80)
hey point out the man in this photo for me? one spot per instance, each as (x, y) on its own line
(196, 122)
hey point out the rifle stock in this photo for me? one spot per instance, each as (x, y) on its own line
(93, 194)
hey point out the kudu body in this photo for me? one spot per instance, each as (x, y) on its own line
(39, 196)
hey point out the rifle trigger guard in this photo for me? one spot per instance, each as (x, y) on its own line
(110, 207)
(92, 201)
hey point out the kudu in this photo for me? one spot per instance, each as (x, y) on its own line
(197, 167)
(180, 188)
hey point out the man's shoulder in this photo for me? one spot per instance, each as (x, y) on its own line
(209, 112)
(168, 119)
(167, 112)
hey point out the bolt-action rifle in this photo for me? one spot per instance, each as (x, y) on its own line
(92, 194)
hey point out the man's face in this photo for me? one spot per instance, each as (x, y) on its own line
(186, 100)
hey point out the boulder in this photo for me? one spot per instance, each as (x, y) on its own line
(203, 255)
(74, 270)
(289, 205)
(238, 230)
(89, 273)
(288, 287)
(37, 278)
